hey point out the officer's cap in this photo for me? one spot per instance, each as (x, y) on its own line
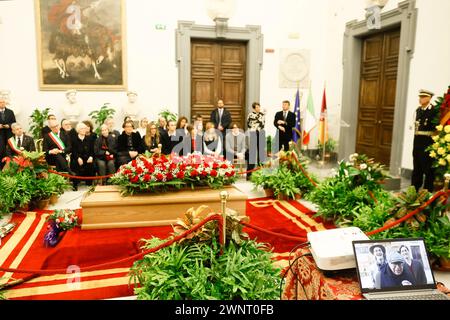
(425, 93)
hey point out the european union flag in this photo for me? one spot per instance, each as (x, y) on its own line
(298, 129)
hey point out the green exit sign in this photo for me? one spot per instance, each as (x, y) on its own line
(160, 26)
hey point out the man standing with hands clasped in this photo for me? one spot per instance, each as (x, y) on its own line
(284, 122)
(221, 118)
(7, 118)
(424, 130)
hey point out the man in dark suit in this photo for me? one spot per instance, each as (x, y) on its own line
(221, 118)
(284, 122)
(46, 130)
(56, 147)
(7, 118)
(19, 142)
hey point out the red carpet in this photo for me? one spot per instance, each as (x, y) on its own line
(24, 249)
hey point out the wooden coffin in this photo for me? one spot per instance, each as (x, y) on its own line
(105, 208)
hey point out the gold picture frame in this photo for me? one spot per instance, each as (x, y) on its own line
(81, 44)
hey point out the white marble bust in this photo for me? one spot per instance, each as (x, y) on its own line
(72, 109)
(131, 107)
(6, 96)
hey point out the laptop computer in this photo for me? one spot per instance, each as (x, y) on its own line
(395, 269)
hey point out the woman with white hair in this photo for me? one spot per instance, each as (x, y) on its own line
(82, 158)
(105, 150)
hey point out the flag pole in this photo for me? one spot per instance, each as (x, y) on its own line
(300, 116)
(322, 162)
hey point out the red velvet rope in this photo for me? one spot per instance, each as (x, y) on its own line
(274, 233)
(305, 173)
(78, 177)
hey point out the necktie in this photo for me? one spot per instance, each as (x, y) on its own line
(220, 116)
(235, 144)
(19, 143)
(284, 115)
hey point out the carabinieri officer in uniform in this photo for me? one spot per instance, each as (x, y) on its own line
(424, 130)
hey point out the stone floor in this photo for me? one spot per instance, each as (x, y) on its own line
(72, 199)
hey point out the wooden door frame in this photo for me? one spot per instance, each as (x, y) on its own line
(405, 17)
(188, 29)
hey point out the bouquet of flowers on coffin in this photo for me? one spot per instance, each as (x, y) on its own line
(59, 222)
(160, 173)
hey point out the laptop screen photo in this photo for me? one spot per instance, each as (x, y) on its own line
(392, 265)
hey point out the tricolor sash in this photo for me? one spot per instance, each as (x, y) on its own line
(13, 145)
(57, 140)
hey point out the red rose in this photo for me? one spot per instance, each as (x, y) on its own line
(169, 176)
(215, 165)
(61, 219)
(213, 173)
(139, 170)
(127, 171)
(134, 179)
(172, 166)
(204, 173)
(180, 175)
(151, 170)
(134, 163)
(159, 177)
(194, 173)
(224, 166)
(183, 167)
(147, 178)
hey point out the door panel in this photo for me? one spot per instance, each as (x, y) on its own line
(218, 72)
(379, 67)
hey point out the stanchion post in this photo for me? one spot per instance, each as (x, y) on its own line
(223, 199)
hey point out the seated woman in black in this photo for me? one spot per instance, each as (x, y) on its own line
(105, 150)
(152, 141)
(129, 144)
(82, 158)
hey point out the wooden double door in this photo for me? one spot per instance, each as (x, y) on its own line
(379, 68)
(218, 71)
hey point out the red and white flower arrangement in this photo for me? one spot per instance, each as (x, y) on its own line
(159, 173)
(64, 219)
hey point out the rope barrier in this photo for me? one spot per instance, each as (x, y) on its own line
(273, 233)
(65, 175)
(305, 173)
(131, 258)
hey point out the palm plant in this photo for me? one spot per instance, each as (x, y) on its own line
(99, 116)
(38, 119)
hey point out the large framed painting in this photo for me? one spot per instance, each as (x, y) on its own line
(81, 44)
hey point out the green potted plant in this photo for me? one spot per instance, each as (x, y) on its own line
(38, 119)
(168, 115)
(99, 116)
(330, 148)
(264, 178)
(198, 268)
(58, 185)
